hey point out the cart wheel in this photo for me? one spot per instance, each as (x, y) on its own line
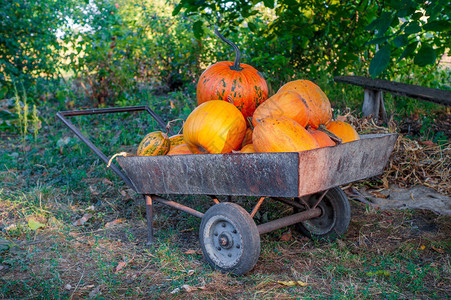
(229, 238)
(335, 217)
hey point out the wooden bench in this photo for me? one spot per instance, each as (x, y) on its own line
(373, 101)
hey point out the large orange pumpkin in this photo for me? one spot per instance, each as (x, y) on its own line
(343, 130)
(322, 138)
(282, 134)
(214, 127)
(320, 111)
(179, 149)
(288, 104)
(243, 84)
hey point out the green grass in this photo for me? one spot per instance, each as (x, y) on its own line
(57, 180)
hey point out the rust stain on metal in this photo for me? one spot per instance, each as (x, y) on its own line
(292, 174)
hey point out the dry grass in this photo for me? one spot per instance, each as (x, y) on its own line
(384, 254)
(412, 162)
(65, 261)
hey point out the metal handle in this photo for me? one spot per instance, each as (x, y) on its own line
(63, 114)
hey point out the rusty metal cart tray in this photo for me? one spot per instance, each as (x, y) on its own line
(290, 174)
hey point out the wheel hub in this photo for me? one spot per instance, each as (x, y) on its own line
(225, 240)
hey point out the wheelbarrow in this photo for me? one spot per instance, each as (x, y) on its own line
(230, 239)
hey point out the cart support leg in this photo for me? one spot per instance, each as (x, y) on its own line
(149, 216)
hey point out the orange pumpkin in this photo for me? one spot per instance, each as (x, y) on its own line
(249, 148)
(245, 86)
(214, 127)
(247, 137)
(343, 130)
(282, 134)
(322, 138)
(320, 111)
(154, 143)
(288, 104)
(176, 140)
(179, 149)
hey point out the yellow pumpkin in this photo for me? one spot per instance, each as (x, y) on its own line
(343, 130)
(288, 104)
(320, 111)
(282, 134)
(154, 143)
(214, 127)
(176, 140)
(249, 148)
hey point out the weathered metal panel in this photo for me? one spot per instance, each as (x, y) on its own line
(333, 166)
(250, 174)
(261, 174)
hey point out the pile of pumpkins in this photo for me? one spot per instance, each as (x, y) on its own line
(234, 115)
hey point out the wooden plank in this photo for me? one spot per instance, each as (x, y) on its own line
(373, 105)
(402, 89)
(291, 174)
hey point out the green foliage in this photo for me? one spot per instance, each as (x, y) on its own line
(136, 44)
(29, 46)
(311, 36)
(412, 29)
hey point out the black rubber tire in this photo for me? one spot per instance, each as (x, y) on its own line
(229, 238)
(335, 217)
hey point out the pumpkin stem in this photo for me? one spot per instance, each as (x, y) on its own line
(236, 64)
(249, 121)
(124, 154)
(332, 135)
(169, 125)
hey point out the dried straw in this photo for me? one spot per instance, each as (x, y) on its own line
(412, 162)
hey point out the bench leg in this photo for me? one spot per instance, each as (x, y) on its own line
(373, 105)
(149, 216)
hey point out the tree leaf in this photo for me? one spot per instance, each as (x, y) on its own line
(378, 40)
(425, 56)
(177, 9)
(35, 225)
(408, 50)
(198, 30)
(381, 24)
(400, 41)
(380, 61)
(252, 27)
(269, 3)
(413, 27)
(292, 283)
(440, 25)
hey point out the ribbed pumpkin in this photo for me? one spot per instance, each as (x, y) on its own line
(282, 134)
(179, 149)
(343, 130)
(247, 138)
(154, 143)
(320, 111)
(249, 148)
(288, 104)
(176, 140)
(243, 84)
(322, 138)
(214, 127)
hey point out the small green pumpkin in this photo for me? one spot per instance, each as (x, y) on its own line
(154, 143)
